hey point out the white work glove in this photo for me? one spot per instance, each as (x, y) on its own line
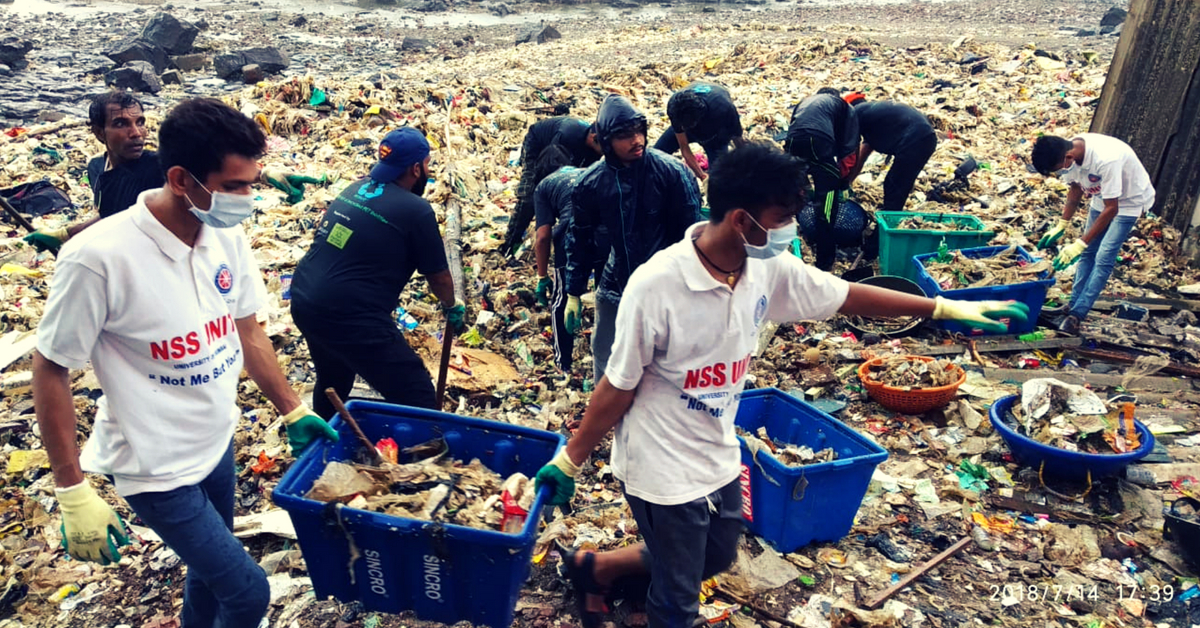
(91, 529)
(984, 315)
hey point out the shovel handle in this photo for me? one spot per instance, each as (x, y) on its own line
(444, 366)
(345, 414)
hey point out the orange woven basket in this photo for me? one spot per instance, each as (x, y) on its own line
(913, 401)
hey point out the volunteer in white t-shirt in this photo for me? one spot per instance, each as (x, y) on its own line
(687, 324)
(162, 299)
(1106, 169)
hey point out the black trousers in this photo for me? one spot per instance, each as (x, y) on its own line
(828, 185)
(523, 212)
(382, 357)
(906, 165)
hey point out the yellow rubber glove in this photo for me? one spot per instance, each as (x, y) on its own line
(1054, 234)
(560, 474)
(571, 317)
(1069, 253)
(984, 315)
(91, 529)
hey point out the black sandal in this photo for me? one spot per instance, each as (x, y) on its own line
(583, 579)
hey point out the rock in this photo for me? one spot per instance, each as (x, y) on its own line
(415, 43)
(539, 34)
(138, 49)
(269, 60)
(1116, 31)
(1085, 32)
(708, 10)
(201, 24)
(170, 34)
(190, 63)
(14, 49)
(502, 10)
(1114, 16)
(751, 576)
(299, 20)
(5, 70)
(136, 75)
(251, 73)
(172, 77)
(433, 6)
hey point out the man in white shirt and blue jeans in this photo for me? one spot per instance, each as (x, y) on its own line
(1106, 169)
(687, 324)
(162, 300)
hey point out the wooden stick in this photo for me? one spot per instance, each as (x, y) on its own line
(765, 613)
(21, 220)
(917, 573)
(447, 345)
(341, 408)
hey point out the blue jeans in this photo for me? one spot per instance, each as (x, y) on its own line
(1097, 261)
(225, 588)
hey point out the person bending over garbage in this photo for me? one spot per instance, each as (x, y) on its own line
(898, 130)
(125, 170)
(823, 134)
(1108, 170)
(162, 300)
(552, 208)
(577, 136)
(703, 113)
(686, 328)
(643, 199)
(371, 240)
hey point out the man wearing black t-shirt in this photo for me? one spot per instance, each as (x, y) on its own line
(898, 130)
(366, 248)
(703, 113)
(575, 135)
(125, 169)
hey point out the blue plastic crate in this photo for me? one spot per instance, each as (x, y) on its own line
(443, 572)
(1031, 293)
(792, 507)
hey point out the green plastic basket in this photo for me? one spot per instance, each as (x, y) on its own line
(898, 246)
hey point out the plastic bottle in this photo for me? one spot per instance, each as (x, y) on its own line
(982, 539)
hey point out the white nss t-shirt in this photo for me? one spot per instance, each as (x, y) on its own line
(1111, 169)
(684, 341)
(156, 318)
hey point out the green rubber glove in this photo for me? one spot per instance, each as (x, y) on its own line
(983, 315)
(560, 474)
(1068, 254)
(455, 315)
(1054, 235)
(91, 529)
(290, 184)
(51, 240)
(543, 291)
(303, 427)
(572, 318)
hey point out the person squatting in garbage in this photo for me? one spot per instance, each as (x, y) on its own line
(703, 113)
(642, 198)
(898, 130)
(162, 299)
(823, 134)
(371, 240)
(685, 331)
(577, 136)
(1107, 170)
(121, 173)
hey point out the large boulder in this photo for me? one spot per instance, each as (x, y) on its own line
(1113, 16)
(539, 34)
(269, 60)
(170, 34)
(13, 50)
(138, 49)
(433, 6)
(190, 63)
(136, 75)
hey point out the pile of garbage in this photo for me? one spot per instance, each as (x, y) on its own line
(921, 223)
(1004, 268)
(1073, 418)
(900, 371)
(786, 453)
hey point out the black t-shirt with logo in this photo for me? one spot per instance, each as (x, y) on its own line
(117, 190)
(721, 121)
(369, 243)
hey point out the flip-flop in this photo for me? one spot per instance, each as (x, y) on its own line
(583, 579)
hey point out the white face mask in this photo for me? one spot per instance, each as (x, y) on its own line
(778, 241)
(226, 210)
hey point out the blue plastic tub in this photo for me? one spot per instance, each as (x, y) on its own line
(1061, 463)
(445, 573)
(792, 507)
(1031, 293)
